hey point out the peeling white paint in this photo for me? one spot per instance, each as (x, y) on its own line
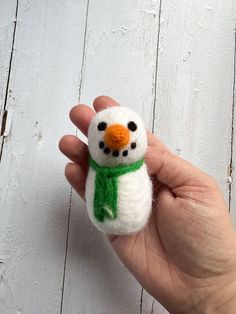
(8, 122)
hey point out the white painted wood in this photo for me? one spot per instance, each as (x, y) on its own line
(6, 43)
(34, 196)
(195, 83)
(192, 115)
(6, 39)
(120, 60)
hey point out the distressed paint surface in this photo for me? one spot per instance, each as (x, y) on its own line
(7, 34)
(34, 196)
(6, 40)
(232, 177)
(195, 83)
(173, 62)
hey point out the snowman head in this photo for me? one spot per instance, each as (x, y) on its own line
(117, 136)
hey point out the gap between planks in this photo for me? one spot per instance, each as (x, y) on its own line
(4, 113)
(154, 113)
(156, 67)
(71, 190)
(231, 162)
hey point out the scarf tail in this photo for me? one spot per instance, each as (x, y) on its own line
(106, 188)
(105, 197)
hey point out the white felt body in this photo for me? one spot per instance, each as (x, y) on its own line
(134, 202)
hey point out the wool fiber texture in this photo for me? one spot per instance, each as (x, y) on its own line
(118, 187)
(106, 188)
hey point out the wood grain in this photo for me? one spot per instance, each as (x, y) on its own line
(195, 83)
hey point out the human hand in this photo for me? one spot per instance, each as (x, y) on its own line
(186, 255)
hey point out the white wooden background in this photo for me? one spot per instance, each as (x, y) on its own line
(173, 61)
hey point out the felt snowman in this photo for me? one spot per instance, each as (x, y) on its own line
(118, 187)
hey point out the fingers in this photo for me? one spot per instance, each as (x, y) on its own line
(74, 149)
(165, 198)
(153, 140)
(103, 102)
(154, 157)
(81, 115)
(76, 176)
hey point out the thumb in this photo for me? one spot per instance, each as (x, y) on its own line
(172, 170)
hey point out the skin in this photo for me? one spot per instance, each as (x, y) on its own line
(186, 255)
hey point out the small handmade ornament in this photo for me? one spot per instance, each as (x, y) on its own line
(118, 187)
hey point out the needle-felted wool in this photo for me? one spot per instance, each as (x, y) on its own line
(106, 188)
(118, 188)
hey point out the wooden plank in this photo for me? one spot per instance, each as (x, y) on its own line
(34, 199)
(195, 83)
(120, 60)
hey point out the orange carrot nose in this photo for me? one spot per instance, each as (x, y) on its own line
(116, 136)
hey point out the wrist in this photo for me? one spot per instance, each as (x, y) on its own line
(218, 300)
(221, 301)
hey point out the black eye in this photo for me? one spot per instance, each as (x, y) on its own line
(132, 126)
(102, 126)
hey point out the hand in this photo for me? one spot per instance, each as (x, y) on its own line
(186, 255)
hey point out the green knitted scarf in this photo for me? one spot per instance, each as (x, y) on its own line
(106, 188)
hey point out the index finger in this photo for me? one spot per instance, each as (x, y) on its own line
(81, 115)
